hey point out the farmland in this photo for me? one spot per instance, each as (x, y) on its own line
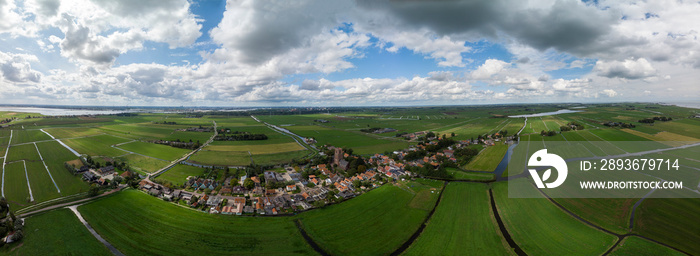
(488, 159)
(25, 136)
(41, 233)
(161, 152)
(670, 220)
(179, 173)
(633, 245)
(530, 220)
(462, 222)
(100, 145)
(173, 230)
(367, 220)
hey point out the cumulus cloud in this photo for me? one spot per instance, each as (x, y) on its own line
(610, 93)
(16, 68)
(489, 68)
(627, 69)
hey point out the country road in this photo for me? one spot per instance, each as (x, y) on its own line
(185, 157)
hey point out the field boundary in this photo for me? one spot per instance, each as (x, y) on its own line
(31, 196)
(47, 168)
(4, 161)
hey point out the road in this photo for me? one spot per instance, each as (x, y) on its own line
(109, 246)
(183, 158)
(23, 215)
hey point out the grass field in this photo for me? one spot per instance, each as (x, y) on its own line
(487, 159)
(610, 213)
(179, 173)
(375, 223)
(142, 163)
(231, 158)
(635, 246)
(258, 149)
(41, 233)
(23, 152)
(530, 221)
(463, 222)
(462, 175)
(138, 224)
(55, 155)
(97, 146)
(155, 150)
(279, 158)
(64, 133)
(24, 136)
(16, 190)
(670, 220)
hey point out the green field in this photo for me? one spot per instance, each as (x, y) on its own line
(23, 152)
(16, 190)
(258, 149)
(24, 136)
(142, 163)
(462, 175)
(380, 221)
(162, 152)
(635, 246)
(97, 146)
(55, 155)
(232, 158)
(670, 220)
(178, 174)
(530, 221)
(279, 158)
(138, 224)
(65, 133)
(487, 159)
(45, 234)
(463, 222)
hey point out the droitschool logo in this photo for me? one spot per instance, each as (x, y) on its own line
(542, 158)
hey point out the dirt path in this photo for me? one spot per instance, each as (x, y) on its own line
(109, 246)
(23, 215)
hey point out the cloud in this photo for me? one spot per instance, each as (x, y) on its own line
(627, 69)
(16, 68)
(610, 93)
(488, 69)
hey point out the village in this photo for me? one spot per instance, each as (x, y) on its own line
(293, 189)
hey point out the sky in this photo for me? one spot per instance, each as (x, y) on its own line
(347, 53)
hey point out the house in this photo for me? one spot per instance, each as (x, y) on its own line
(226, 191)
(176, 194)
(187, 196)
(154, 192)
(256, 180)
(238, 190)
(345, 194)
(214, 200)
(88, 176)
(106, 170)
(248, 209)
(239, 204)
(291, 188)
(83, 168)
(125, 174)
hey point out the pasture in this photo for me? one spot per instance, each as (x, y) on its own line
(143, 164)
(463, 222)
(487, 159)
(380, 221)
(178, 174)
(151, 226)
(158, 151)
(100, 145)
(636, 246)
(532, 220)
(221, 158)
(670, 220)
(25, 136)
(41, 233)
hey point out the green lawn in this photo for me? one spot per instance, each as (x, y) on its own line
(97, 146)
(463, 222)
(57, 232)
(375, 223)
(635, 246)
(139, 224)
(179, 173)
(155, 150)
(488, 159)
(532, 221)
(16, 190)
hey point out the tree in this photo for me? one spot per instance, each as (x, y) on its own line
(234, 181)
(248, 184)
(453, 134)
(93, 191)
(194, 199)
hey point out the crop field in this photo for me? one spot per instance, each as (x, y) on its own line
(55, 156)
(610, 213)
(65, 133)
(380, 221)
(463, 222)
(178, 174)
(151, 226)
(16, 190)
(632, 246)
(24, 136)
(41, 232)
(487, 159)
(359, 142)
(97, 146)
(222, 158)
(532, 220)
(670, 220)
(142, 163)
(258, 149)
(279, 158)
(162, 152)
(462, 175)
(23, 152)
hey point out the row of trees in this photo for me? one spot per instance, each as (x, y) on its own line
(240, 136)
(571, 126)
(656, 118)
